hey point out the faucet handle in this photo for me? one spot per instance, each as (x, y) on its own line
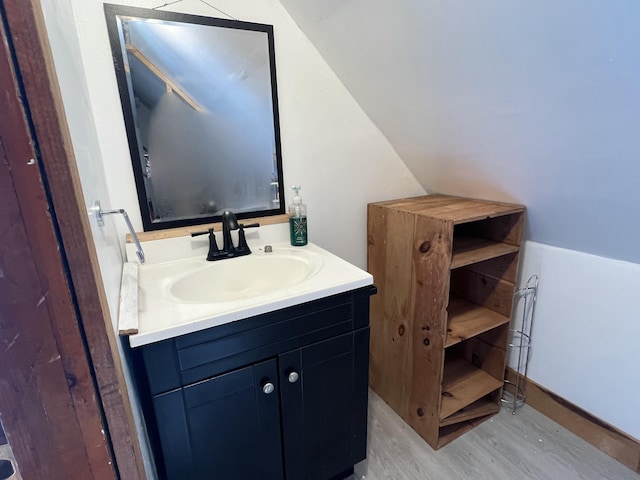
(214, 252)
(196, 234)
(243, 247)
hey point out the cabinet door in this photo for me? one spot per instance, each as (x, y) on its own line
(324, 409)
(224, 427)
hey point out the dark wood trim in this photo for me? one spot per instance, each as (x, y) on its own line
(47, 397)
(57, 163)
(49, 408)
(601, 435)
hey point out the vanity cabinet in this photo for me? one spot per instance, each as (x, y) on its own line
(281, 395)
(446, 268)
(222, 424)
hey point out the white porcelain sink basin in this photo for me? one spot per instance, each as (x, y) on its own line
(179, 292)
(243, 277)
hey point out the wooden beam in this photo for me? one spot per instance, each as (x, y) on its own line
(46, 394)
(57, 162)
(171, 85)
(50, 412)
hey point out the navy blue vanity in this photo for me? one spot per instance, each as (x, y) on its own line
(278, 395)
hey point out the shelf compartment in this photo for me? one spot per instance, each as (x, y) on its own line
(448, 433)
(482, 289)
(463, 384)
(480, 408)
(468, 250)
(504, 228)
(466, 320)
(504, 267)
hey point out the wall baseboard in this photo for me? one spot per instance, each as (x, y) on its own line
(601, 435)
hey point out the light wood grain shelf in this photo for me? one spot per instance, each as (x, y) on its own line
(463, 384)
(468, 250)
(479, 408)
(466, 320)
(448, 433)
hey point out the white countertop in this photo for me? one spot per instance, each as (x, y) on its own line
(161, 317)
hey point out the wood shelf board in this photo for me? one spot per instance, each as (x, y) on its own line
(486, 212)
(466, 320)
(463, 384)
(186, 231)
(451, 208)
(449, 433)
(479, 408)
(470, 250)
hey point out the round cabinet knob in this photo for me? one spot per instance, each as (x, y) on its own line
(293, 377)
(268, 388)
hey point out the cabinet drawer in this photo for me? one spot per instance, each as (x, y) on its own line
(190, 358)
(217, 355)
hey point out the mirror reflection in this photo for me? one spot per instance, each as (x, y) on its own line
(200, 106)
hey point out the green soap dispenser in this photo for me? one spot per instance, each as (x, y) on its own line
(298, 219)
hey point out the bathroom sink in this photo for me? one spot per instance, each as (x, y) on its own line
(179, 292)
(244, 277)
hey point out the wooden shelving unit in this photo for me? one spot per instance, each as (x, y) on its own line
(445, 268)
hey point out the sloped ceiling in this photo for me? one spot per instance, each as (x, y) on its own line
(531, 102)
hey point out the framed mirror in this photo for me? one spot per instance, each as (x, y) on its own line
(200, 108)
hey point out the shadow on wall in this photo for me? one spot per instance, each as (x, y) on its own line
(202, 162)
(464, 177)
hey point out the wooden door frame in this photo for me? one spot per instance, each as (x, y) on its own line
(52, 205)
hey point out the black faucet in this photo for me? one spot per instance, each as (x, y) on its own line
(229, 222)
(229, 250)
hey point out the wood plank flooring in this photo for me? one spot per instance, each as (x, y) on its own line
(524, 446)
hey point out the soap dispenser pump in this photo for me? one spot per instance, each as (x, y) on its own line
(298, 219)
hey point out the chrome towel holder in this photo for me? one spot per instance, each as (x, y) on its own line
(100, 219)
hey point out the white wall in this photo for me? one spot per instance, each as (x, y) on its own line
(586, 331)
(329, 145)
(537, 103)
(70, 71)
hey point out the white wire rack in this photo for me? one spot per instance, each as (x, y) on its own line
(513, 393)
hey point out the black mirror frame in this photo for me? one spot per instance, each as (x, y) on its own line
(111, 14)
